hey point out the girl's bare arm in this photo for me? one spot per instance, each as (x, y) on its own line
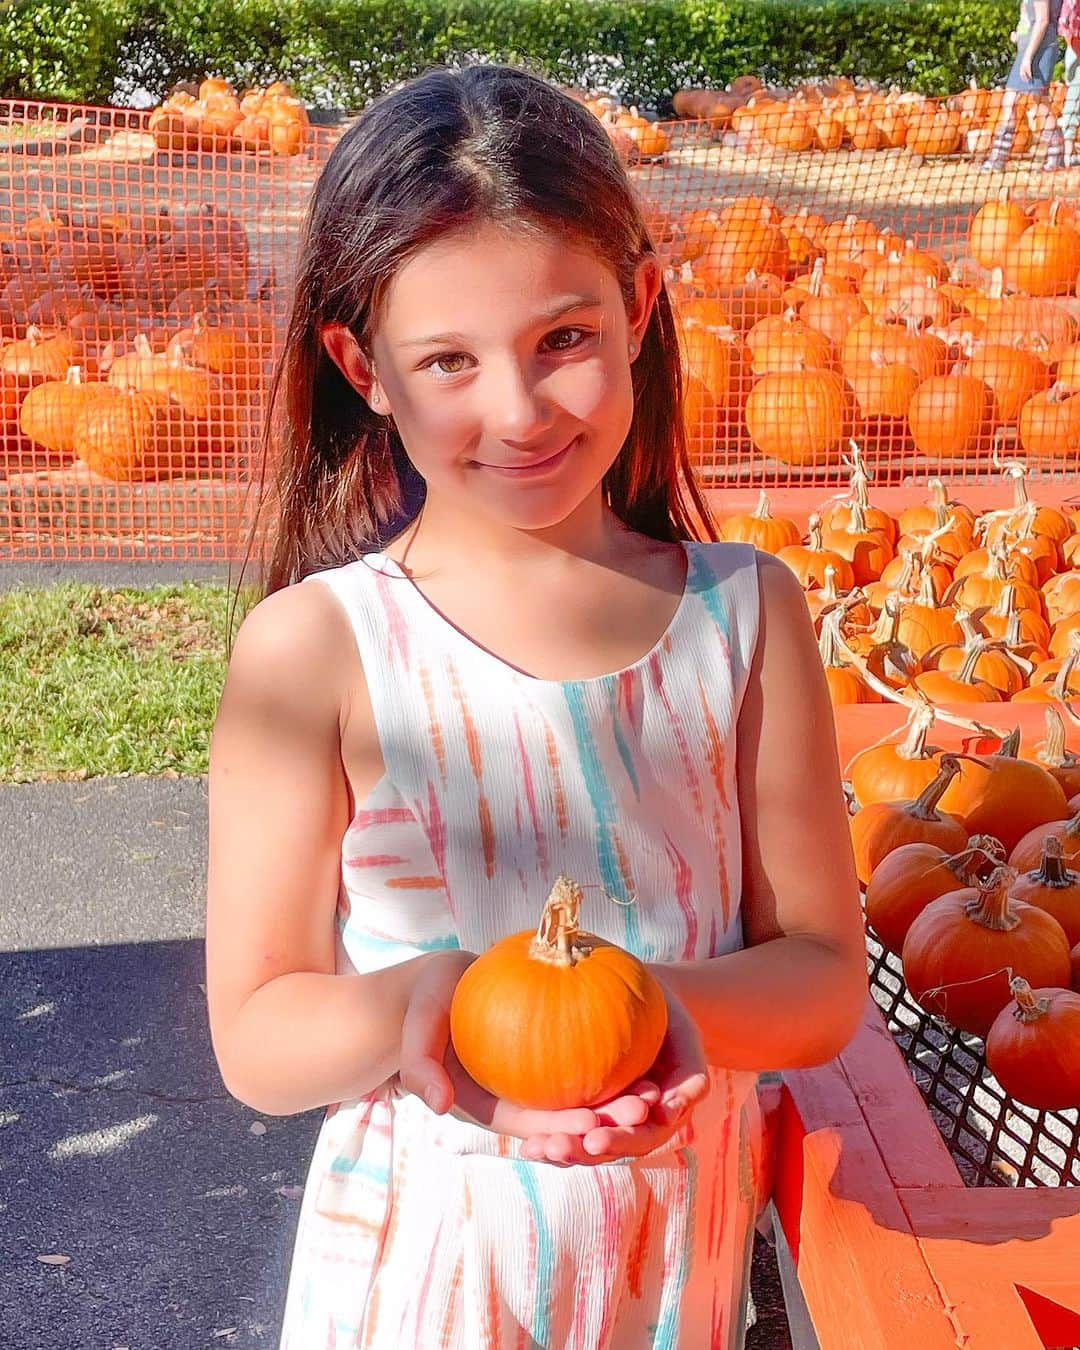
(289, 1033)
(795, 994)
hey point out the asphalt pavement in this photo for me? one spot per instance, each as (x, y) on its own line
(141, 1207)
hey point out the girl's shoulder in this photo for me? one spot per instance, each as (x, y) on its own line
(296, 639)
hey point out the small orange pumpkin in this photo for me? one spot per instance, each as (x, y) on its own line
(558, 1017)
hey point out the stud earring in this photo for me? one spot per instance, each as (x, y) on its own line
(375, 399)
(633, 349)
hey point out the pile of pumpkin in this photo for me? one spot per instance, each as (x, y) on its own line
(936, 605)
(637, 139)
(219, 120)
(802, 333)
(834, 114)
(969, 866)
(135, 344)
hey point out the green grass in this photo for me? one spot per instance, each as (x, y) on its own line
(96, 680)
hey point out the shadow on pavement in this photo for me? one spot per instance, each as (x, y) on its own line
(121, 1150)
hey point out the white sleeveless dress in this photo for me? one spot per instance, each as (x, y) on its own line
(426, 1232)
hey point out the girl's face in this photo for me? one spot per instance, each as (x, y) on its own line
(505, 362)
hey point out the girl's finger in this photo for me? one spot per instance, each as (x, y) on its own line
(523, 1122)
(625, 1110)
(425, 1034)
(608, 1143)
(687, 1090)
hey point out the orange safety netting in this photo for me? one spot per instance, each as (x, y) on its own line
(828, 281)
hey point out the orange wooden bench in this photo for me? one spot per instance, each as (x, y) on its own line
(890, 1246)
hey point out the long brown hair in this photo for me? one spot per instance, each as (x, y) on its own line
(450, 149)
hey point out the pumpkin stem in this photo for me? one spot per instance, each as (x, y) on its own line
(919, 724)
(983, 851)
(974, 648)
(1053, 869)
(814, 531)
(924, 807)
(1028, 1007)
(829, 594)
(761, 511)
(991, 907)
(558, 927)
(1010, 746)
(1052, 751)
(1062, 678)
(1014, 469)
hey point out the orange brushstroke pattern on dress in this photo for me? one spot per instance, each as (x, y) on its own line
(530, 798)
(678, 732)
(601, 1256)
(397, 628)
(448, 1332)
(562, 816)
(725, 881)
(638, 1248)
(472, 745)
(715, 748)
(435, 829)
(626, 700)
(380, 815)
(434, 725)
(494, 1312)
(374, 860)
(624, 863)
(684, 894)
(414, 883)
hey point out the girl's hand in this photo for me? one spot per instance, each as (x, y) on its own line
(678, 1080)
(1025, 69)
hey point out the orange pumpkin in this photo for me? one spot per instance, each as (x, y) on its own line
(1031, 1048)
(958, 951)
(50, 410)
(1054, 887)
(799, 416)
(896, 771)
(883, 826)
(1002, 795)
(559, 1017)
(906, 880)
(759, 527)
(951, 415)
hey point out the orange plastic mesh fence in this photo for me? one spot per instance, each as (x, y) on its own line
(839, 274)
(144, 287)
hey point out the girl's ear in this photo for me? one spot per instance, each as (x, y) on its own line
(647, 281)
(344, 350)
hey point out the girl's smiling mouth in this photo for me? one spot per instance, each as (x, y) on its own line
(534, 468)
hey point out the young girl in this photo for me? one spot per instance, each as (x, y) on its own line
(1036, 37)
(542, 674)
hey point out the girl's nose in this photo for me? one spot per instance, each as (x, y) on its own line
(517, 410)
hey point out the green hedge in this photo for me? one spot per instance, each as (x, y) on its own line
(338, 53)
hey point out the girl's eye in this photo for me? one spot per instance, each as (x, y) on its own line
(454, 363)
(447, 360)
(556, 338)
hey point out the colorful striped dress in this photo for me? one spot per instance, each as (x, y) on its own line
(425, 1231)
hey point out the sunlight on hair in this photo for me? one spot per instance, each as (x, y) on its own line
(38, 1010)
(9, 1118)
(96, 1143)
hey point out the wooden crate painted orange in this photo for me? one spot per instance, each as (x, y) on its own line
(890, 1246)
(799, 503)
